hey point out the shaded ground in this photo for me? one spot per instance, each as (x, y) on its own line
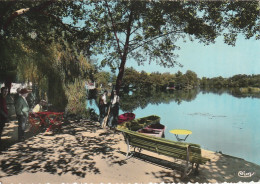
(83, 152)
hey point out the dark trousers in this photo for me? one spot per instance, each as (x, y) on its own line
(22, 121)
(113, 117)
(2, 124)
(102, 113)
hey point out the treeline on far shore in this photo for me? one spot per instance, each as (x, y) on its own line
(189, 80)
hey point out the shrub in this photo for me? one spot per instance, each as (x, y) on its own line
(76, 95)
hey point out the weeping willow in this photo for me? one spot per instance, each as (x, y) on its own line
(57, 69)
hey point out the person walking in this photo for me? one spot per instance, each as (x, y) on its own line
(113, 116)
(102, 105)
(3, 110)
(22, 113)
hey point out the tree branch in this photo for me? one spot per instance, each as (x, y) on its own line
(24, 10)
(60, 21)
(153, 39)
(114, 29)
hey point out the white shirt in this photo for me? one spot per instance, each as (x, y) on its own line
(104, 98)
(115, 99)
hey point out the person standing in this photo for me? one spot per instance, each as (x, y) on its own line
(22, 113)
(16, 96)
(113, 116)
(102, 105)
(3, 109)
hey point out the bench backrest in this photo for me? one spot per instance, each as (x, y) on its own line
(165, 147)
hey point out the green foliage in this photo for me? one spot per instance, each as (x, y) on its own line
(158, 81)
(76, 95)
(236, 81)
(102, 78)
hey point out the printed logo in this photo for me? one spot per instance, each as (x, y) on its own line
(245, 174)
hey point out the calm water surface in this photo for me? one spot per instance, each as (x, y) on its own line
(218, 123)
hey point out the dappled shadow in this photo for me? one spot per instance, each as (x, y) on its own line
(222, 168)
(71, 151)
(225, 168)
(174, 168)
(10, 135)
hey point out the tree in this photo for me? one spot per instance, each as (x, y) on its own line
(41, 47)
(192, 78)
(130, 78)
(102, 78)
(26, 24)
(148, 30)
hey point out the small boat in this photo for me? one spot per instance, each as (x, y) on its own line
(139, 123)
(156, 130)
(126, 117)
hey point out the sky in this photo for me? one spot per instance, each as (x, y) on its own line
(212, 60)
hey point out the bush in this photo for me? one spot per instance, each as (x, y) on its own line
(76, 95)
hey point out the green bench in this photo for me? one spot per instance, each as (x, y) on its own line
(190, 153)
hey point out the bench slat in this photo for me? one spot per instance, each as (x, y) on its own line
(168, 151)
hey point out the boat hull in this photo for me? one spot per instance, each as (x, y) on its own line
(156, 130)
(139, 123)
(125, 117)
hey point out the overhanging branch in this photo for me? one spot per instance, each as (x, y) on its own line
(145, 42)
(25, 10)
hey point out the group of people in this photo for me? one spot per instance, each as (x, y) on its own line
(109, 110)
(21, 109)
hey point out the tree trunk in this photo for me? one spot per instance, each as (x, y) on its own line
(124, 57)
(120, 74)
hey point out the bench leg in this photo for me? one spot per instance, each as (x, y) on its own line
(196, 171)
(128, 150)
(186, 170)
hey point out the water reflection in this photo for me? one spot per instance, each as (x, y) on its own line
(141, 99)
(236, 92)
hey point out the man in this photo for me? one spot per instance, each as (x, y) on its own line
(113, 116)
(22, 112)
(3, 109)
(102, 104)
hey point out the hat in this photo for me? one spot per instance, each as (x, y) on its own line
(24, 90)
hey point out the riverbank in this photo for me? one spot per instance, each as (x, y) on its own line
(85, 153)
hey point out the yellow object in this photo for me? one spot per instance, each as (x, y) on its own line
(178, 132)
(37, 108)
(181, 132)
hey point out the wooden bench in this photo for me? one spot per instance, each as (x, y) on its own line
(191, 153)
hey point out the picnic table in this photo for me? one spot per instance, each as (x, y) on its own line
(48, 119)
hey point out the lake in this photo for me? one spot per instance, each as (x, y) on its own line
(219, 122)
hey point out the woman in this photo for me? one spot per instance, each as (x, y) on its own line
(22, 112)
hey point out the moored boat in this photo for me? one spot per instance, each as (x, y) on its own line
(139, 123)
(156, 130)
(126, 117)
